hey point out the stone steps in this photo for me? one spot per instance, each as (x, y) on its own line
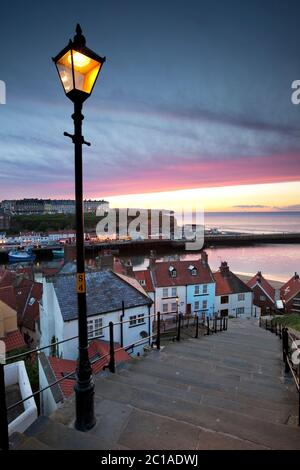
(209, 418)
(222, 391)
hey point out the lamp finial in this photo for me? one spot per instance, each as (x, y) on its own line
(79, 39)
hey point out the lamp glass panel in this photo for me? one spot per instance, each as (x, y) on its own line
(64, 67)
(85, 71)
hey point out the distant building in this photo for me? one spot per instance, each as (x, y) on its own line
(290, 294)
(9, 332)
(263, 293)
(49, 206)
(233, 296)
(4, 220)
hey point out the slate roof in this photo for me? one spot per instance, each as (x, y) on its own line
(105, 292)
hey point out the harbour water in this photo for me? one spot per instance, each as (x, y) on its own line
(278, 262)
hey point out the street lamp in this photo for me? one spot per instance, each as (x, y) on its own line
(78, 68)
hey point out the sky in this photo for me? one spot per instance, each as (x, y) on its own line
(192, 107)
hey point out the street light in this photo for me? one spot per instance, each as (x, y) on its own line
(78, 68)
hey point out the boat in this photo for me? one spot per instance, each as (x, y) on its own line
(21, 255)
(60, 253)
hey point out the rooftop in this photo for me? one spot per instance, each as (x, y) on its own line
(259, 280)
(163, 273)
(105, 293)
(229, 283)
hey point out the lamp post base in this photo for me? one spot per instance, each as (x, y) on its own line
(85, 417)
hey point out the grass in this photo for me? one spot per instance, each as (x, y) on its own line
(291, 321)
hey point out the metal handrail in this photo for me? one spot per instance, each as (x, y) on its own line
(111, 353)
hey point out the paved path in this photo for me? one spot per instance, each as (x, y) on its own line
(225, 391)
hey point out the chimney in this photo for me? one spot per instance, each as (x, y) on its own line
(296, 277)
(258, 276)
(204, 257)
(152, 259)
(224, 268)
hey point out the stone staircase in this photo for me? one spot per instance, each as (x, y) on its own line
(224, 391)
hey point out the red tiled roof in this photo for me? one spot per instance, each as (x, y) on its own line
(7, 295)
(145, 276)
(97, 349)
(229, 284)
(162, 277)
(13, 340)
(259, 280)
(290, 288)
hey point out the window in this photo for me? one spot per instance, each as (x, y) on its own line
(196, 305)
(174, 307)
(205, 289)
(224, 299)
(165, 292)
(94, 327)
(240, 310)
(194, 272)
(142, 282)
(174, 291)
(204, 304)
(241, 297)
(141, 318)
(197, 290)
(132, 320)
(173, 273)
(165, 308)
(224, 313)
(262, 298)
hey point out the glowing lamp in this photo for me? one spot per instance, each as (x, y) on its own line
(78, 68)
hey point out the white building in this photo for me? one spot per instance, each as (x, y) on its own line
(233, 296)
(110, 298)
(15, 375)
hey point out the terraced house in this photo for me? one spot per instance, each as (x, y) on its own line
(186, 287)
(233, 296)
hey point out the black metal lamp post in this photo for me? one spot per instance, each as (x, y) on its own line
(78, 68)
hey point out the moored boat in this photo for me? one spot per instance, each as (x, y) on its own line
(21, 255)
(60, 253)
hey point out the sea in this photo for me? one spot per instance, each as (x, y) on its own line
(276, 261)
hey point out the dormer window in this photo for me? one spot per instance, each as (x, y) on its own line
(193, 270)
(172, 271)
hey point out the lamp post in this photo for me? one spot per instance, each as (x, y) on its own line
(78, 68)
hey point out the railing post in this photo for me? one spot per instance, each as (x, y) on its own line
(285, 344)
(112, 363)
(197, 327)
(158, 331)
(208, 326)
(4, 441)
(216, 325)
(179, 327)
(298, 394)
